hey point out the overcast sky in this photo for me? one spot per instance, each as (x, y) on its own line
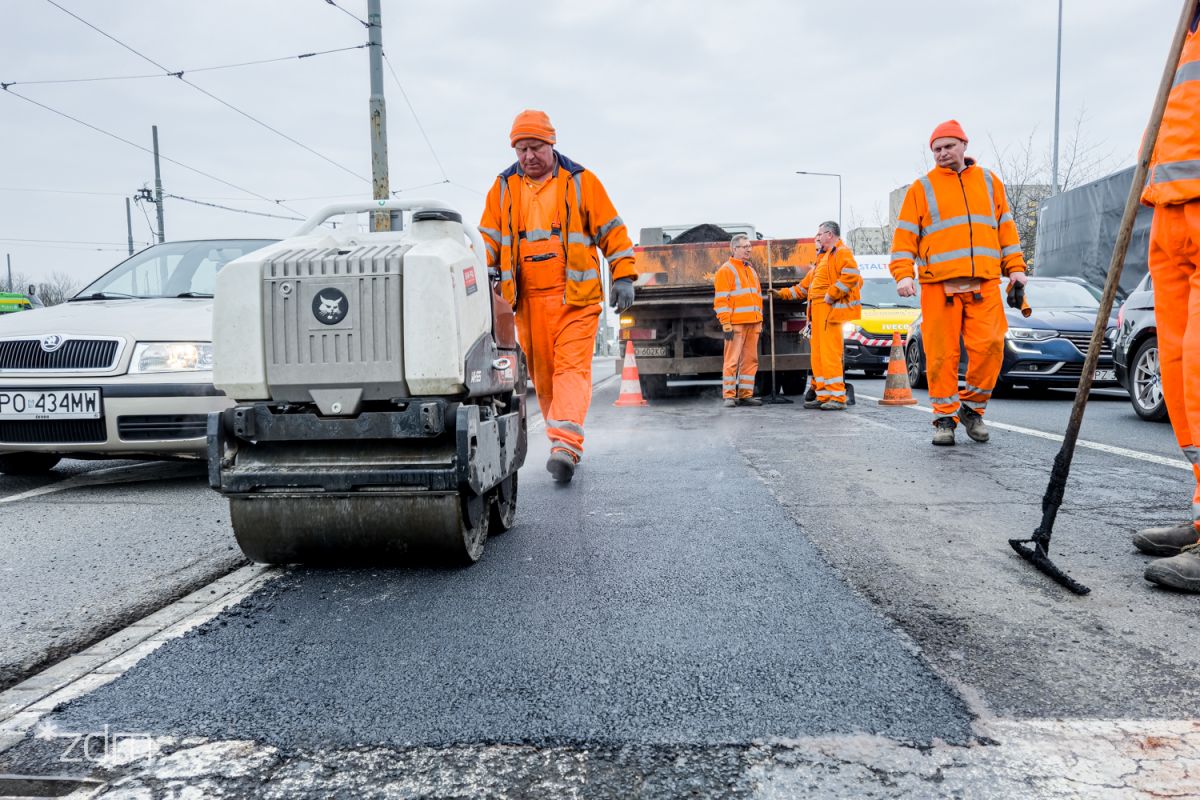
(687, 111)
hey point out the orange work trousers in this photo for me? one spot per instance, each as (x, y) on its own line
(980, 323)
(741, 361)
(1175, 270)
(558, 340)
(827, 344)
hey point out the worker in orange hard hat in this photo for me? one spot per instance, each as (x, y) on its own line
(737, 301)
(956, 232)
(833, 290)
(543, 220)
(1173, 189)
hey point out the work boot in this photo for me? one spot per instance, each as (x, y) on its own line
(729, 402)
(972, 420)
(1180, 572)
(1167, 540)
(561, 465)
(943, 431)
(833, 405)
(813, 403)
(750, 401)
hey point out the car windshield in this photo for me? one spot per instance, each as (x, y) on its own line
(173, 269)
(881, 293)
(1062, 294)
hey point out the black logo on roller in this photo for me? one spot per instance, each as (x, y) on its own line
(330, 306)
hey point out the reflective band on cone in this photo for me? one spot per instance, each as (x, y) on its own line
(897, 391)
(631, 386)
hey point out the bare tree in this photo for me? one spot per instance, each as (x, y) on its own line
(1026, 169)
(57, 288)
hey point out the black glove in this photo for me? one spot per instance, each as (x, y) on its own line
(729, 336)
(1016, 295)
(622, 294)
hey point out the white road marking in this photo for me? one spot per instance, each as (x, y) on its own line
(1179, 463)
(128, 473)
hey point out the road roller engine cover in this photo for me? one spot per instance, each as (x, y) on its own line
(379, 393)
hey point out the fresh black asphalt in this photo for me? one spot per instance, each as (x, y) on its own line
(664, 597)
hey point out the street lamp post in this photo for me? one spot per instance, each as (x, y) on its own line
(1057, 95)
(830, 175)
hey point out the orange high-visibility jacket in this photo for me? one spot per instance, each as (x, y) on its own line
(589, 220)
(800, 290)
(1175, 165)
(838, 283)
(738, 298)
(956, 225)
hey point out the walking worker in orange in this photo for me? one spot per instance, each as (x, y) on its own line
(955, 227)
(542, 222)
(1173, 189)
(738, 303)
(833, 290)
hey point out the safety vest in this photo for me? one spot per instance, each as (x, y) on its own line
(738, 298)
(1175, 165)
(588, 220)
(838, 283)
(956, 225)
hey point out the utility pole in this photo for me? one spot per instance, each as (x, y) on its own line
(379, 159)
(158, 198)
(129, 225)
(1057, 93)
(8, 257)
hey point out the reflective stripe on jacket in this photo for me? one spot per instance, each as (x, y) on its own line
(1175, 165)
(838, 284)
(738, 296)
(800, 290)
(956, 225)
(589, 220)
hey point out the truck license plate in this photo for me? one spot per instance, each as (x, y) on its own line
(651, 351)
(1105, 375)
(50, 404)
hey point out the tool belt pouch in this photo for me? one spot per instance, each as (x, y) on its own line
(963, 286)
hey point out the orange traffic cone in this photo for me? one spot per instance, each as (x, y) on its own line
(897, 391)
(631, 386)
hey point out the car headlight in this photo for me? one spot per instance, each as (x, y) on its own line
(171, 357)
(1030, 334)
(849, 328)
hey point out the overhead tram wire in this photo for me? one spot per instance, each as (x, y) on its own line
(144, 149)
(63, 241)
(231, 208)
(209, 94)
(201, 197)
(350, 14)
(416, 118)
(180, 73)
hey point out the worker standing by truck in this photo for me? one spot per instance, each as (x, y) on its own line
(543, 220)
(955, 225)
(737, 300)
(1173, 189)
(832, 289)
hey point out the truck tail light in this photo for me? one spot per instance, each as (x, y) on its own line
(638, 334)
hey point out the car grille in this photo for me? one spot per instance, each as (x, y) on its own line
(75, 354)
(162, 426)
(53, 431)
(1081, 340)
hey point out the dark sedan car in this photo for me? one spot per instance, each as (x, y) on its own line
(1045, 350)
(1135, 353)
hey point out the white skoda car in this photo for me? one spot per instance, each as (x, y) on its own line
(121, 370)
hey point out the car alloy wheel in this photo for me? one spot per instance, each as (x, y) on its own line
(1145, 382)
(912, 359)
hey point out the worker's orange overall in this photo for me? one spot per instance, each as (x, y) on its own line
(978, 320)
(1175, 271)
(557, 338)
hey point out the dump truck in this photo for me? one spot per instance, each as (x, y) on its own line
(676, 337)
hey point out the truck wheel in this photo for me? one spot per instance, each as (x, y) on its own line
(28, 463)
(916, 370)
(1145, 383)
(791, 381)
(653, 386)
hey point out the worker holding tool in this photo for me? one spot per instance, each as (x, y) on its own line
(956, 227)
(1173, 189)
(738, 304)
(543, 220)
(832, 289)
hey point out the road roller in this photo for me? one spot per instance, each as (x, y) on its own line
(378, 392)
